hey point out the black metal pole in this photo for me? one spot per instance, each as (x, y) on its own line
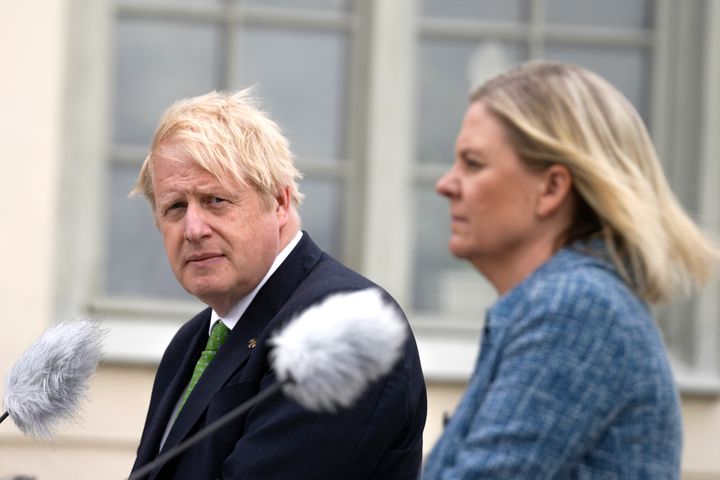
(4, 416)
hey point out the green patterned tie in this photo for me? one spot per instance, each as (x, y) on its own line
(218, 334)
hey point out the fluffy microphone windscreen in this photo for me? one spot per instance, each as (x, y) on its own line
(50, 378)
(333, 350)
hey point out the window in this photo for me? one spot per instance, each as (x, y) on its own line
(168, 50)
(371, 94)
(462, 43)
(628, 42)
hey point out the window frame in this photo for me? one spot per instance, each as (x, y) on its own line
(381, 111)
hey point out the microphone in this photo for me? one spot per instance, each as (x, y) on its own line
(48, 381)
(333, 350)
(323, 359)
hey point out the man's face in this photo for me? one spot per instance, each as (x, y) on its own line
(220, 241)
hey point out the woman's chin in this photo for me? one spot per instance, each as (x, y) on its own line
(458, 249)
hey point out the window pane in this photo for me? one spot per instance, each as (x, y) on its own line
(135, 262)
(316, 4)
(156, 64)
(448, 70)
(440, 281)
(177, 2)
(628, 69)
(321, 213)
(610, 13)
(678, 323)
(300, 77)
(506, 10)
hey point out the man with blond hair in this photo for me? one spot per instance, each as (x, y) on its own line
(222, 186)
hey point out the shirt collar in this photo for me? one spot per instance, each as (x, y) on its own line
(231, 319)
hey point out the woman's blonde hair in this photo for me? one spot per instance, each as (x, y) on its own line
(557, 113)
(227, 135)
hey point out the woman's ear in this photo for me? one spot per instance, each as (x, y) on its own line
(555, 190)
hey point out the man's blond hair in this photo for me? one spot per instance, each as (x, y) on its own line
(227, 135)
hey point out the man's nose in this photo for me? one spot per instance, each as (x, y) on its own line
(196, 225)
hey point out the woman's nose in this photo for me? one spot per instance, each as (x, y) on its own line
(447, 184)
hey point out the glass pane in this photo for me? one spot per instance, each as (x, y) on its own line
(179, 2)
(156, 64)
(505, 10)
(300, 77)
(448, 70)
(135, 262)
(315, 4)
(440, 281)
(608, 13)
(321, 213)
(680, 330)
(628, 69)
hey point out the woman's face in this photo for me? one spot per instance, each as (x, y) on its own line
(493, 195)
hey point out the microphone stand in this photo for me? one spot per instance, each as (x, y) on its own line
(208, 430)
(4, 416)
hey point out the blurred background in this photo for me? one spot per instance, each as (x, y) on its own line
(371, 94)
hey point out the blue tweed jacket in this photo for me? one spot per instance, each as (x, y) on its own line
(572, 381)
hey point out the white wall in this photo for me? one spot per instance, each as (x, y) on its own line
(31, 52)
(32, 59)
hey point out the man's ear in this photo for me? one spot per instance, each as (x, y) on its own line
(283, 204)
(555, 190)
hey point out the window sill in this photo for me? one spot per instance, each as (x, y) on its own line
(448, 354)
(448, 349)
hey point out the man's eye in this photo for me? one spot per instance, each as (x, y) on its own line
(217, 200)
(173, 207)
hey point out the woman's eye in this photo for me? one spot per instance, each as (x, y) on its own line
(473, 165)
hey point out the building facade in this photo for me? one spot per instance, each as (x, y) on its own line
(371, 94)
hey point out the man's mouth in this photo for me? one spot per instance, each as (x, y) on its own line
(202, 258)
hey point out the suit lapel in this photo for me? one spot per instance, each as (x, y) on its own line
(232, 355)
(167, 402)
(235, 351)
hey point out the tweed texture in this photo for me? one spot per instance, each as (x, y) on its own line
(572, 381)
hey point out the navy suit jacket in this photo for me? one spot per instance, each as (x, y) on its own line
(378, 438)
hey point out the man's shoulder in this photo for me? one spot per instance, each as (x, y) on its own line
(328, 277)
(329, 270)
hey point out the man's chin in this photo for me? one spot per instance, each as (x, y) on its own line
(206, 292)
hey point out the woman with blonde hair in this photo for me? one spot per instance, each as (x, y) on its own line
(558, 199)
